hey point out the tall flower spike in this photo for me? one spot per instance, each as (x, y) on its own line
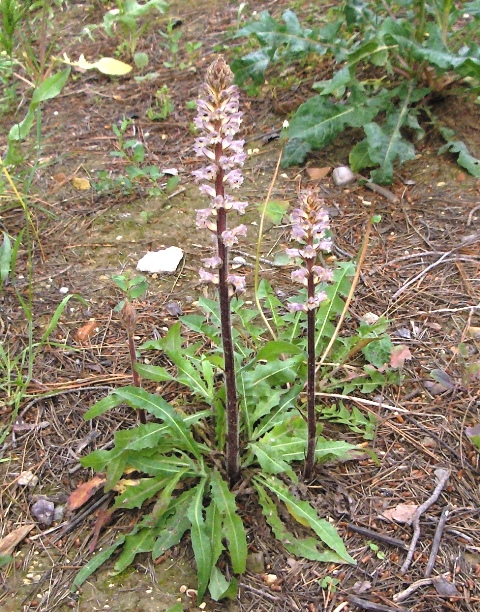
(218, 121)
(310, 224)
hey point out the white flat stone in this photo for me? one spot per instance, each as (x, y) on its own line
(165, 260)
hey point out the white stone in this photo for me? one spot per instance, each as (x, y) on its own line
(343, 176)
(165, 260)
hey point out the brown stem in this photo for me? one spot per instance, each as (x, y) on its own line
(142, 415)
(311, 417)
(233, 437)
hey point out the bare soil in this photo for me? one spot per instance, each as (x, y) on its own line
(421, 271)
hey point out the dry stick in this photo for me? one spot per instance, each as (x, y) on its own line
(356, 278)
(412, 588)
(420, 274)
(259, 245)
(413, 280)
(366, 604)
(442, 476)
(375, 535)
(436, 540)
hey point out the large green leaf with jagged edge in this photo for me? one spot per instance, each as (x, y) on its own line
(232, 527)
(138, 491)
(200, 540)
(174, 524)
(303, 512)
(306, 548)
(280, 41)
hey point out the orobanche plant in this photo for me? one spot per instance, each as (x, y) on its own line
(239, 414)
(393, 59)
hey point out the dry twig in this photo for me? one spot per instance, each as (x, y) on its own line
(442, 476)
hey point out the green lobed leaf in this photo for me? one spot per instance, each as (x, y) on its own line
(233, 527)
(140, 541)
(305, 514)
(200, 540)
(51, 87)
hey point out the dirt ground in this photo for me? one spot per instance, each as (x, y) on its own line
(421, 271)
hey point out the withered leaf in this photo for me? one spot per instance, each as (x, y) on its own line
(8, 543)
(84, 492)
(403, 513)
(316, 174)
(399, 355)
(85, 332)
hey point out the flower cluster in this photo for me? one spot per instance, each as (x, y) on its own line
(218, 121)
(310, 224)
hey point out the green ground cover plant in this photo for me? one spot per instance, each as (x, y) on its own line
(241, 413)
(392, 61)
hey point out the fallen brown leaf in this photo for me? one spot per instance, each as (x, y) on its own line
(316, 174)
(85, 332)
(403, 513)
(8, 543)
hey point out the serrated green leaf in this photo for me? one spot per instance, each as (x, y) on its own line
(106, 403)
(143, 436)
(305, 514)
(115, 469)
(275, 210)
(273, 349)
(95, 562)
(295, 152)
(136, 494)
(200, 540)
(279, 42)
(318, 121)
(272, 462)
(213, 523)
(139, 542)
(233, 527)
(378, 352)
(159, 464)
(306, 548)
(465, 159)
(156, 405)
(359, 157)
